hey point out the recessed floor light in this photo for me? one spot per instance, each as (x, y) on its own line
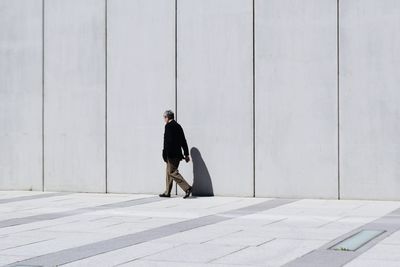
(357, 240)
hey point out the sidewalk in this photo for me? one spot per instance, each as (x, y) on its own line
(86, 229)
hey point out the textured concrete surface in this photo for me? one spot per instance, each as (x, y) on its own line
(141, 86)
(28, 197)
(21, 94)
(111, 68)
(143, 230)
(387, 225)
(369, 101)
(74, 102)
(215, 90)
(296, 98)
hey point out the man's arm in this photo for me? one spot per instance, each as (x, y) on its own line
(167, 141)
(164, 155)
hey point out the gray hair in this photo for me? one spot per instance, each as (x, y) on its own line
(169, 114)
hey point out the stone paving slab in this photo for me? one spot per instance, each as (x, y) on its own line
(388, 223)
(273, 253)
(29, 197)
(61, 203)
(89, 250)
(212, 231)
(383, 253)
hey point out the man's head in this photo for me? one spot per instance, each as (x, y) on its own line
(168, 115)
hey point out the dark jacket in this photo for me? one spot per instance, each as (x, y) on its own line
(174, 141)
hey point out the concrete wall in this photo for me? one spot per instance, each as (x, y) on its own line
(74, 102)
(215, 92)
(21, 94)
(296, 98)
(255, 87)
(141, 86)
(369, 99)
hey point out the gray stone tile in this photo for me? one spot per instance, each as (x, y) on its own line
(136, 235)
(56, 215)
(123, 255)
(372, 263)
(89, 250)
(390, 223)
(148, 263)
(30, 197)
(393, 239)
(201, 253)
(382, 251)
(241, 238)
(274, 253)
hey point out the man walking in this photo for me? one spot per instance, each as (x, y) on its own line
(174, 141)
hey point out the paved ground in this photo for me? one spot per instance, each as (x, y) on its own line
(76, 229)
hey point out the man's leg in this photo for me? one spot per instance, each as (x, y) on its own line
(175, 175)
(168, 181)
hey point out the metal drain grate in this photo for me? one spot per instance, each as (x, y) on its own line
(357, 240)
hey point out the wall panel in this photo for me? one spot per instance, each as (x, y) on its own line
(215, 93)
(296, 98)
(369, 99)
(141, 86)
(21, 94)
(74, 95)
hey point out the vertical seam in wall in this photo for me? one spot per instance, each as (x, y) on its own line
(176, 68)
(254, 104)
(43, 95)
(338, 99)
(176, 59)
(105, 88)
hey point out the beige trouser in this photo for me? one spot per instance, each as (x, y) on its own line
(172, 174)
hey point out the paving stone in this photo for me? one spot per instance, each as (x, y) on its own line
(123, 255)
(372, 263)
(224, 230)
(201, 253)
(274, 253)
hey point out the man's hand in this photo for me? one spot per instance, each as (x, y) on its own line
(187, 158)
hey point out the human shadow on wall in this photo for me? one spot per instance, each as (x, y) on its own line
(202, 184)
